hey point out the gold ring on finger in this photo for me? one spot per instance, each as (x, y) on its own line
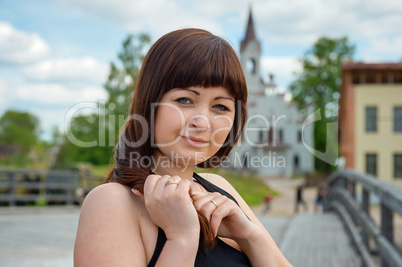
(171, 181)
(213, 202)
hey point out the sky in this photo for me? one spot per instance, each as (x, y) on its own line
(55, 54)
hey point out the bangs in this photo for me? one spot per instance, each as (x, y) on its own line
(204, 62)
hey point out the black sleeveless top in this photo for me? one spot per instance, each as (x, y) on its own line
(221, 255)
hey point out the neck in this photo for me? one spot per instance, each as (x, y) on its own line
(169, 166)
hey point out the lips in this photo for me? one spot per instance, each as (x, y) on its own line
(195, 141)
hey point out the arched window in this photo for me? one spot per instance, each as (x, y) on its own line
(250, 66)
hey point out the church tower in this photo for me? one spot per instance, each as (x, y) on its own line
(250, 52)
(273, 142)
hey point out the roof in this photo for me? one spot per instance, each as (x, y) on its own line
(371, 66)
(250, 33)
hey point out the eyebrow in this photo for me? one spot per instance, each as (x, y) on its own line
(187, 89)
(224, 97)
(197, 93)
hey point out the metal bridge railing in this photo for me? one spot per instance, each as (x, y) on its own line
(355, 214)
(31, 186)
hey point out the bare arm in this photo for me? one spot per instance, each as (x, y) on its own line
(109, 233)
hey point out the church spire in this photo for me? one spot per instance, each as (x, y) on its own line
(250, 33)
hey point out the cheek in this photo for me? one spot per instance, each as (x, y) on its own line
(222, 128)
(168, 120)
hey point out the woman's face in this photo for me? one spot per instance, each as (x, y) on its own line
(192, 123)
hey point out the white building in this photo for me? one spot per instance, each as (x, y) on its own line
(274, 137)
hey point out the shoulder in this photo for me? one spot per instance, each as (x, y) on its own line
(218, 181)
(109, 226)
(111, 197)
(222, 183)
(108, 193)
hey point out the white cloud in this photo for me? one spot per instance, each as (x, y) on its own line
(282, 68)
(378, 49)
(292, 24)
(19, 47)
(58, 94)
(68, 69)
(295, 22)
(304, 21)
(156, 17)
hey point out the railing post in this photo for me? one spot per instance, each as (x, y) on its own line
(11, 201)
(341, 181)
(70, 197)
(387, 227)
(352, 186)
(366, 209)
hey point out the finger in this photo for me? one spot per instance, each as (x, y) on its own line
(184, 188)
(224, 209)
(150, 183)
(196, 194)
(137, 193)
(169, 181)
(167, 185)
(202, 199)
(206, 206)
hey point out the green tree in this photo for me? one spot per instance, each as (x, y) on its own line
(20, 128)
(103, 126)
(318, 84)
(121, 80)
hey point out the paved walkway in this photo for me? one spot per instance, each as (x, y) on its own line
(318, 240)
(37, 236)
(45, 237)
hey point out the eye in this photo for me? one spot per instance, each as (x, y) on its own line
(183, 100)
(221, 107)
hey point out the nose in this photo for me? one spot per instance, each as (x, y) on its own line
(199, 121)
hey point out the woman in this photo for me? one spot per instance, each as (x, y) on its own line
(188, 110)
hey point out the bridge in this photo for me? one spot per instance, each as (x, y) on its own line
(345, 235)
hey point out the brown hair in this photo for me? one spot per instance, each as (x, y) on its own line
(179, 59)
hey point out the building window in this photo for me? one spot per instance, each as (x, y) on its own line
(371, 119)
(270, 137)
(296, 162)
(398, 119)
(398, 166)
(280, 136)
(371, 164)
(261, 136)
(299, 136)
(250, 66)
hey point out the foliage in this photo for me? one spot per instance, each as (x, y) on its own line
(250, 187)
(85, 128)
(318, 84)
(121, 81)
(103, 126)
(19, 128)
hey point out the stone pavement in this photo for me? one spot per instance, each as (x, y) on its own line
(317, 240)
(37, 236)
(308, 238)
(284, 205)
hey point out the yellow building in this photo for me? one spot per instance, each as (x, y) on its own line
(370, 119)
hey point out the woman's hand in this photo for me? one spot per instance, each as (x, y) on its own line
(167, 199)
(226, 218)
